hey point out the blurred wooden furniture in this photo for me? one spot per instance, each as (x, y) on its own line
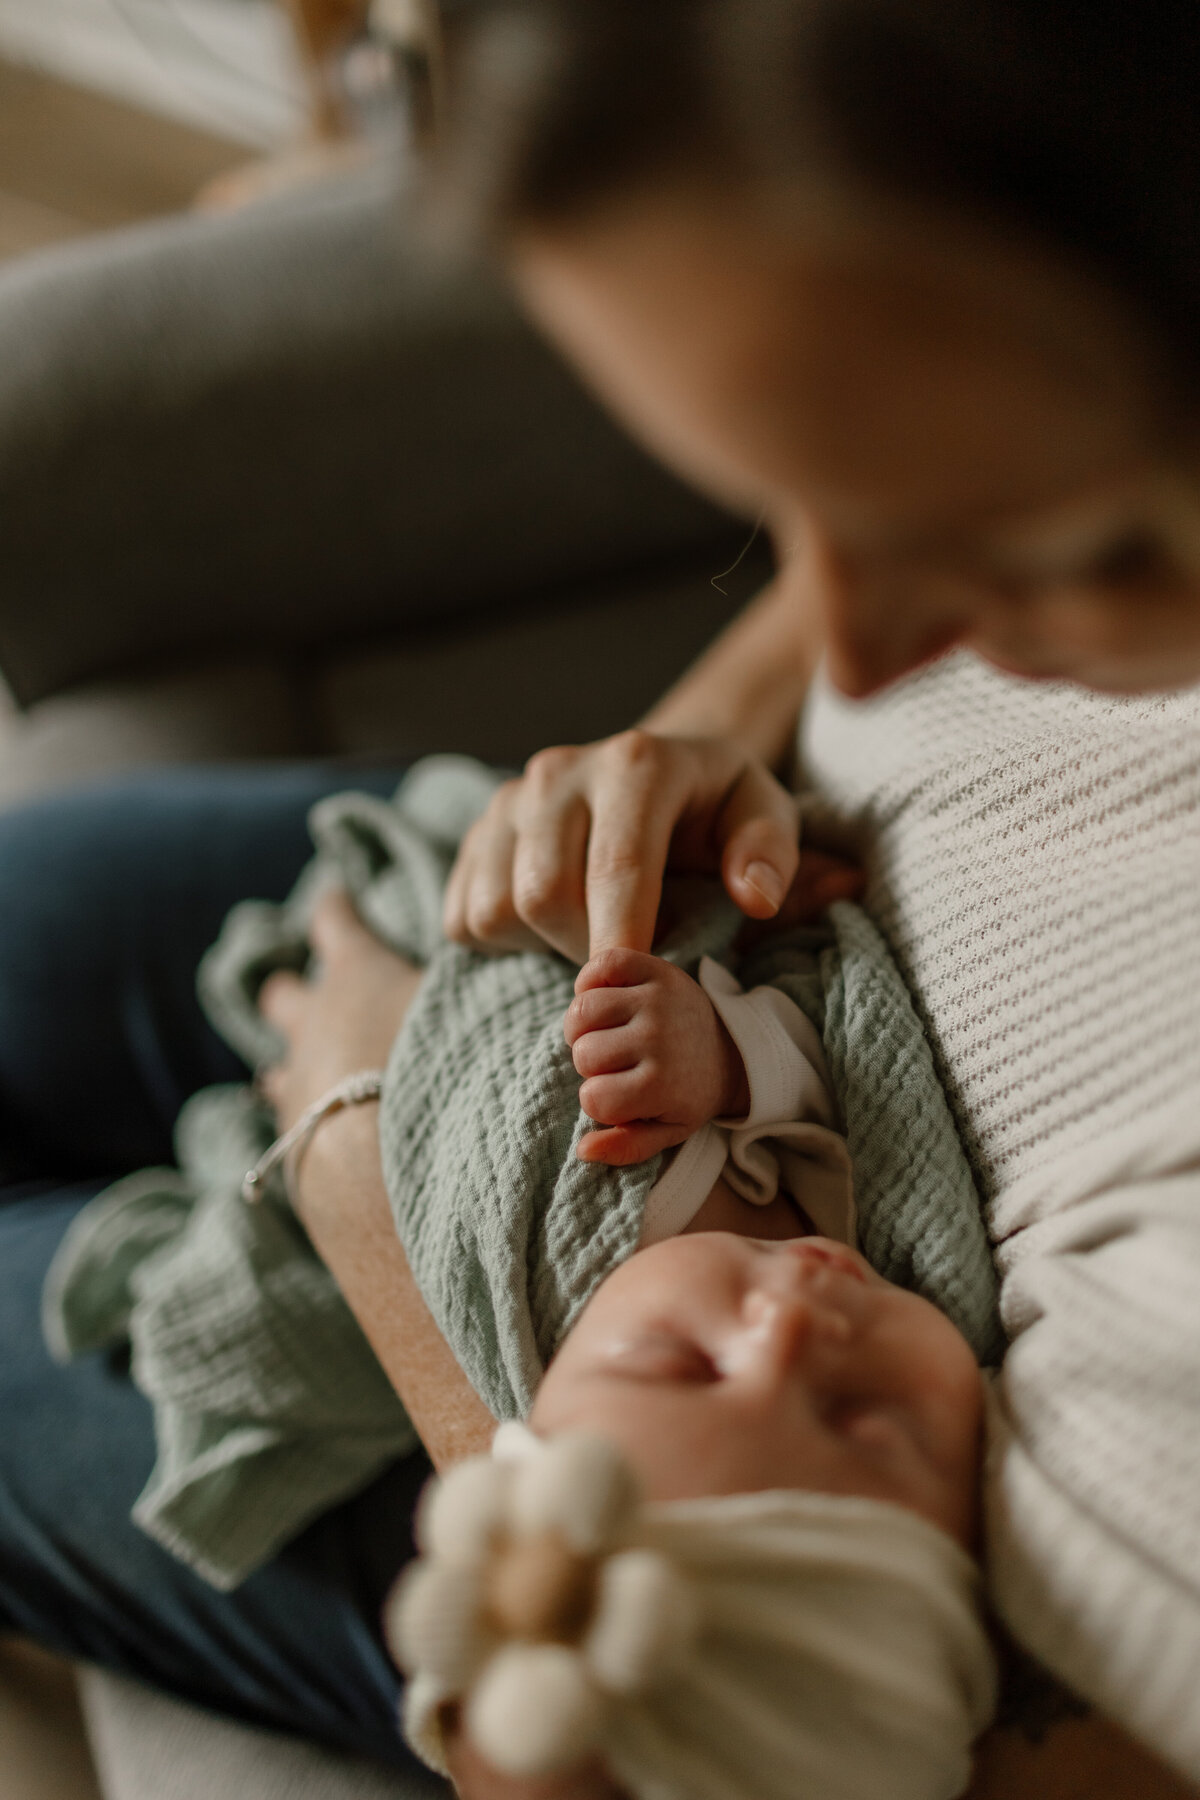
(73, 162)
(44, 1753)
(324, 29)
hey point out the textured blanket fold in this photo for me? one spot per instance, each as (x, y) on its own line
(269, 1405)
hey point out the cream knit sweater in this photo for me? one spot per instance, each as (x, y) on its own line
(1034, 859)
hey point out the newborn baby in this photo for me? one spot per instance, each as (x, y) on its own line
(733, 1561)
(748, 1352)
(803, 1438)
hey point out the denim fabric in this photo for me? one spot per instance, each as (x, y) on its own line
(108, 896)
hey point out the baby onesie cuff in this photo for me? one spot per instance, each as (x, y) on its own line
(779, 1046)
(791, 1114)
(681, 1191)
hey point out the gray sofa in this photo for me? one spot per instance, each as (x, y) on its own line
(272, 485)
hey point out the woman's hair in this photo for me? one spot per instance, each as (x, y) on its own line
(1076, 124)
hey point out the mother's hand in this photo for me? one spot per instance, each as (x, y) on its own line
(343, 1018)
(572, 854)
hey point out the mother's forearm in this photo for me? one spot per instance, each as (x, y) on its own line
(344, 1207)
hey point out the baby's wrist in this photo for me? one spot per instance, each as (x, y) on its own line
(735, 1085)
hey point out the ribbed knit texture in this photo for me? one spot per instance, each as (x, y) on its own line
(1034, 862)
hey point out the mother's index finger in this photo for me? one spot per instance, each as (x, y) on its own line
(633, 820)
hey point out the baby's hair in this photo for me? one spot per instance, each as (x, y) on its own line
(1075, 125)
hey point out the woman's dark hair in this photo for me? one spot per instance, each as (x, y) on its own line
(1074, 121)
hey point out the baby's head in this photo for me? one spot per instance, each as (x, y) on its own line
(723, 1364)
(733, 1560)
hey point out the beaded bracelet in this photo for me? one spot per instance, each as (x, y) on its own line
(365, 1084)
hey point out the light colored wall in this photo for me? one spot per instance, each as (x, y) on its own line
(224, 65)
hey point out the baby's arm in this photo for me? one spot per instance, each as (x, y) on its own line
(656, 1059)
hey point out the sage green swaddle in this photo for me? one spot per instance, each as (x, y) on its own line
(269, 1404)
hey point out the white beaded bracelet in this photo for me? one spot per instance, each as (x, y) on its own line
(365, 1084)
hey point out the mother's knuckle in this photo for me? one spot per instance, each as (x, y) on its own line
(494, 816)
(547, 768)
(541, 892)
(634, 749)
(488, 914)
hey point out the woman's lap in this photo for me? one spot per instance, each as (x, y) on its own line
(109, 896)
(95, 986)
(295, 1647)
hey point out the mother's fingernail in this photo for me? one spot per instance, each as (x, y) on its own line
(766, 881)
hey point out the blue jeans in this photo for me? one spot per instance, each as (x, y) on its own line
(108, 897)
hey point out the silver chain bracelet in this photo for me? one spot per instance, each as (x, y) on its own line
(365, 1084)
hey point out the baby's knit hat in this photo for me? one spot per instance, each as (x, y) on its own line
(771, 1646)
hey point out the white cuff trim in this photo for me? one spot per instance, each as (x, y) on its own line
(678, 1195)
(785, 1065)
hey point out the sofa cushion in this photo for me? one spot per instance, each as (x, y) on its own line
(240, 710)
(497, 687)
(285, 426)
(44, 1751)
(502, 687)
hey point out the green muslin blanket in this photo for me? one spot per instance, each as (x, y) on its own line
(269, 1405)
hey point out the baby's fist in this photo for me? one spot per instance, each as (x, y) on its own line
(656, 1060)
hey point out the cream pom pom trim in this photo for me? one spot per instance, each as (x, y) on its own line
(755, 1646)
(531, 1606)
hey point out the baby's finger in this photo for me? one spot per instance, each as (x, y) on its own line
(615, 1099)
(622, 1145)
(619, 968)
(602, 1009)
(607, 1052)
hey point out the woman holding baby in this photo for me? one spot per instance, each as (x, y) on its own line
(916, 284)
